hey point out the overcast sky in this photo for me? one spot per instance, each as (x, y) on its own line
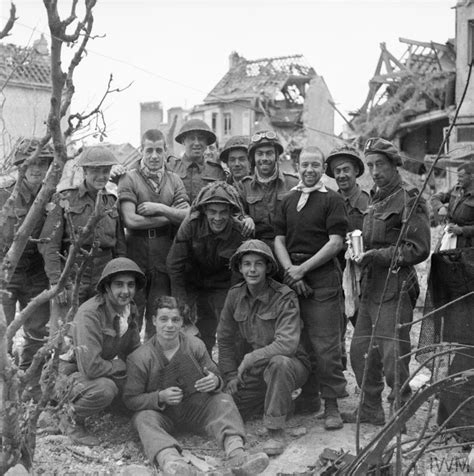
(175, 51)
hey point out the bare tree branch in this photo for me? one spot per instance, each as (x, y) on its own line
(10, 22)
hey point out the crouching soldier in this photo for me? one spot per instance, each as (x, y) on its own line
(104, 332)
(172, 381)
(265, 315)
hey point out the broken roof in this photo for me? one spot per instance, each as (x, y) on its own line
(248, 79)
(21, 66)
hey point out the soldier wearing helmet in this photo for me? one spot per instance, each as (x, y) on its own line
(385, 273)
(192, 168)
(29, 278)
(198, 262)
(235, 155)
(104, 332)
(263, 191)
(68, 214)
(153, 201)
(266, 315)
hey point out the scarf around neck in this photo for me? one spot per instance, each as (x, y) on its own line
(272, 177)
(152, 177)
(305, 191)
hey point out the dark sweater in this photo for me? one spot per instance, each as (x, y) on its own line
(308, 230)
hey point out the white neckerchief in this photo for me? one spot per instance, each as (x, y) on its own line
(305, 191)
(123, 323)
(272, 177)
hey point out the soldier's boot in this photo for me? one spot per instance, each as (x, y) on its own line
(245, 464)
(76, 432)
(332, 417)
(370, 412)
(172, 463)
(277, 442)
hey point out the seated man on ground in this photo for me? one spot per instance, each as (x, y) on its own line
(172, 381)
(265, 316)
(104, 332)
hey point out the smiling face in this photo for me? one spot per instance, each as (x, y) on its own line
(36, 171)
(253, 268)
(195, 144)
(97, 177)
(265, 160)
(345, 173)
(120, 290)
(217, 215)
(238, 163)
(381, 169)
(311, 167)
(168, 322)
(153, 154)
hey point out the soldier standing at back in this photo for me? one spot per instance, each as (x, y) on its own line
(152, 201)
(192, 168)
(234, 154)
(391, 201)
(79, 203)
(263, 191)
(29, 278)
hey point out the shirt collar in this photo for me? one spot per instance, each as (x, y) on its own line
(83, 190)
(189, 163)
(279, 178)
(353, 196)
(263, 296)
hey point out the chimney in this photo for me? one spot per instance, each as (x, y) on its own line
(234, 59)
(41, 46)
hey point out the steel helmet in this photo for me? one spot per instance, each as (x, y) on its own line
(27, 147)
(196, 125)
(220, 193)
(263, 138)
(341, 152)
(121, 265)
(96, 156)
(258, 247)
(236, 142)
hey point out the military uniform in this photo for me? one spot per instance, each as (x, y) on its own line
(460, 212)
(79, 203)
(198, 267)
(386, 214)
(29, 278)
(195, 175)
(261, 202)
(99, 356)
(276, 364)
(149, 247)
(356, 204)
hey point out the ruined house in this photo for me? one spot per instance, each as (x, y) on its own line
(267, 93)
(26, 90)
(410, 99)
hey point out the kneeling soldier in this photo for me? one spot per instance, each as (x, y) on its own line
(104, 332)
(265, 315)
(171, 380)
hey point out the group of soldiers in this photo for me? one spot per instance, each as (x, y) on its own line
(234, 251)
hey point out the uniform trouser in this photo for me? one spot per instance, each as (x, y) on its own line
(322, 315)
(90, 396)
(381, 360)
(150, 256)
(28, 280)
(215, 414)
(269, 390)
(209, 304)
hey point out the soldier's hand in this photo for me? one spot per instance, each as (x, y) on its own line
(116, 172)
(293, 274)
(150, 208)
(302, 289)
(452, 228)
(364, 258)
(208, 383)
(232, 386)
(171, 396)
(248, 227)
